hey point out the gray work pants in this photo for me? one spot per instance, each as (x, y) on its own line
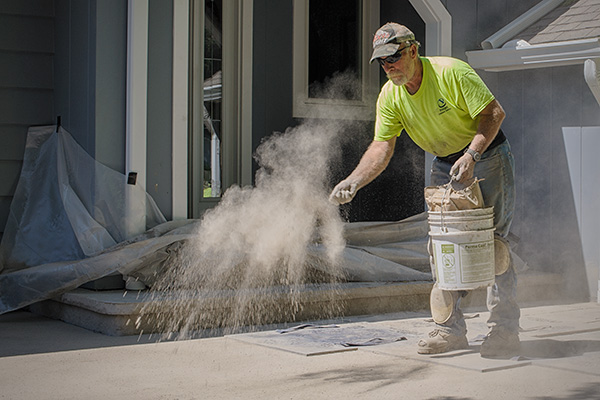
(496, 167)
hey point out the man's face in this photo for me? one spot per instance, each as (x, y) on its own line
(399, 71)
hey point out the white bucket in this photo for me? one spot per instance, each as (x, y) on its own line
(463, 260)
(460, 221)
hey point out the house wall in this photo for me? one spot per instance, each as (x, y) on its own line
(26, 84)
(160, 98)
(68, 58)
(272, 69)
(90, 75)
(539, 103)
(91, 84)
(475, 20)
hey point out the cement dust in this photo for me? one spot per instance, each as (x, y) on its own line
(251, 263)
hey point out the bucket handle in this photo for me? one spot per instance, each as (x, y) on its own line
(446, 193)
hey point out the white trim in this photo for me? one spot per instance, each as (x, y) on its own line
(591, 73)
(438, 26)
(305, 107)
(519, 24)
(580, 144)
(137, 99)
(522, 55)
(247, 31)
(180, 79)
(196, 110)
(236, 92)
(137, 89)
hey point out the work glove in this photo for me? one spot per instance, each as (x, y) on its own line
(343, 192)
(462, 170)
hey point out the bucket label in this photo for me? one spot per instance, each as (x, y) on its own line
(448, 269)
(447, 248)
(463, 260)
(477, 261)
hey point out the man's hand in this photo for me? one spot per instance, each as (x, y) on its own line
(343, 192)
(371, 164)
(462, 170)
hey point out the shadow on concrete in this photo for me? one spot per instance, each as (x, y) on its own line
(379, 375)
(587, 392)
(539, 349)
(548, 348)
(23, 333)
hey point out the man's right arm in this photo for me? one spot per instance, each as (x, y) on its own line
(372, 163)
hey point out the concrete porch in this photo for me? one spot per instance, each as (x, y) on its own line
(114, 312)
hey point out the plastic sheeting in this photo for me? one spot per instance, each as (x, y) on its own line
(74, 220)
(147, 254)
(68, 206)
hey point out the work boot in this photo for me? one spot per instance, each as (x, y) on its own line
(440, 341)
(500, 343)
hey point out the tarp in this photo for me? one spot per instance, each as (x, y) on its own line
(147, 254)
(68, 206)
(74, 220)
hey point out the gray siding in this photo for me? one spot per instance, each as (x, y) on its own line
(26, 84)
(160, 88)
(90, 75)
(110, 82)
(475, 20)
(272, 81)
(74, 70)
(91, 84)
(67, 58)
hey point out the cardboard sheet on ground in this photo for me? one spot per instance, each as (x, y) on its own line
(392, 338)
(558, 337)
(313, 340)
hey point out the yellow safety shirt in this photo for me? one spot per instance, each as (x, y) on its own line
(442, 117)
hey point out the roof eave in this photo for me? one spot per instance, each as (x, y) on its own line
(518, 25)
(526, 56)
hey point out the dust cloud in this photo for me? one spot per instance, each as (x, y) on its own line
(254, 258)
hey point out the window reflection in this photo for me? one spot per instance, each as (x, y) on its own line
(213, 56)
(334, 48)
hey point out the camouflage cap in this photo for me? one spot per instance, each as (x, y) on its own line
(388, 39)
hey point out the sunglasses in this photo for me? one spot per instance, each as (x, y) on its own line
(393, 58)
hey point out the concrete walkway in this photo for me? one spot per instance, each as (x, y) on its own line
(42, 358)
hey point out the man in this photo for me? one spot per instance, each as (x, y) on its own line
(447, 110)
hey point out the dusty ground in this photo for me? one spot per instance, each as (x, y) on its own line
(47, 359)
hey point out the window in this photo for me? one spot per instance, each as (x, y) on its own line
(334, 47)
(220, 100)
(332, 44)
(213, 94)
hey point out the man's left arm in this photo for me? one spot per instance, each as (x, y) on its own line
(490, 119)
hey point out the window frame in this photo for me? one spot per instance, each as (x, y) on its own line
(306, 107)
(236, 122)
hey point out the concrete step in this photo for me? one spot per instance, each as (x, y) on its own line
(115, 312)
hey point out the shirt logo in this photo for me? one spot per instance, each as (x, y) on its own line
(442, 106)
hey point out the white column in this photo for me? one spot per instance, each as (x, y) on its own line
(137, 88)
(179, 178)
